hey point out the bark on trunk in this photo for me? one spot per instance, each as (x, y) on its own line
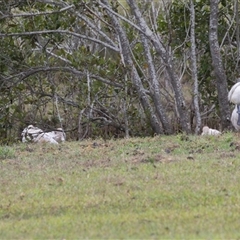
(167, 60)
(126, 54)
(155, 88)
(194, 70)
(221, 79)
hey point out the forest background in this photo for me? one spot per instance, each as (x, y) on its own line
(117, 68)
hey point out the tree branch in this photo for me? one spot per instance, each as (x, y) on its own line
(34, 14)
(21, 76)
(66, 7)
(60, 31)
(121, 17)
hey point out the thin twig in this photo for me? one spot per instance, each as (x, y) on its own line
(34, 14)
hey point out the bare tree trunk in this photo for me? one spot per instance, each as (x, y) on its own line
(80, 130)
(154, 87)
(221, 79)
(237, 35)
(125, 110)
(194, 69)
(131, 69)
(167, 60)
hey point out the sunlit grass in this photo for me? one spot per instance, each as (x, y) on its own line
(161, 187)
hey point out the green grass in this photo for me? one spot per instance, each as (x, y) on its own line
(145, 188)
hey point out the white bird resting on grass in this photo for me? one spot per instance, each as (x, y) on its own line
(234, 97)
(209, 131)
(37, 135)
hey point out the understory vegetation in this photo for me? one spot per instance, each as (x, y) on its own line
(181, 186)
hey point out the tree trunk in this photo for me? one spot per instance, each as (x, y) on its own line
(194, 70)
(221, 79)
(237, 35)
(154, 87)
(131, 69)
(167, 60)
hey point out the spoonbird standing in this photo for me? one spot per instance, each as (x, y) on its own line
(234, 97)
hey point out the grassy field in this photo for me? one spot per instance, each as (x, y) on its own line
(144, 188)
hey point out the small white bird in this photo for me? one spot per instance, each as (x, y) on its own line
(234, 97)
(209, 131)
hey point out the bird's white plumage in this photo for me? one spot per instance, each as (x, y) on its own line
(234, 94)
(234, 97)
(234, 118)
(37, 135)
(209, 131)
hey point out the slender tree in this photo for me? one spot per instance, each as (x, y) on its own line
(219, 72)
(194, 68)
(130, 67)
(166, 57)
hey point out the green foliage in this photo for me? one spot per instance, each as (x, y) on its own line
(28, 97)
(176, 31)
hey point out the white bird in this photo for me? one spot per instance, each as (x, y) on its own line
(37, 135)
(235, 118)
(234, 97)
(234, 94)
(209, 131)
